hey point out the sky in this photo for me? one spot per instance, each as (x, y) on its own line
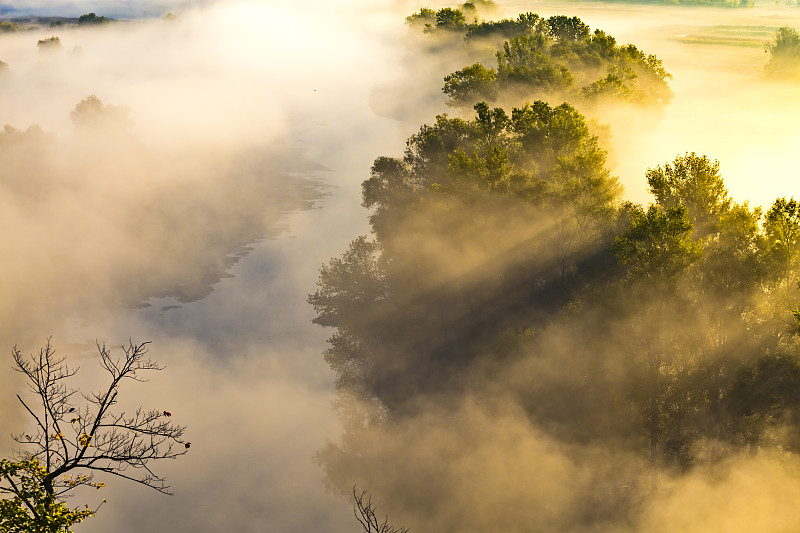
(225, 169)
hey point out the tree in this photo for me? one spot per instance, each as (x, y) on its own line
(523, 63)
(8, 26)
(610, 86)
(556, 55)
(31, 507)
(470, 12)
(525, 23)
(784, 50)
(50, 43)
(470, 84)
(91, 18)
(426, 18)
(658, 244)
(91, 112)
(782, 231)
(657, 248)
(563, 27)
(450, 19)
(70, 443)
(694, 182)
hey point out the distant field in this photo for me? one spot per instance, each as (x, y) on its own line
(744, 36)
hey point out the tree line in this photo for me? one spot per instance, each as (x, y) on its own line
(556, 57)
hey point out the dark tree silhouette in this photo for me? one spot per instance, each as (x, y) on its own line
(72, 442)
(366, 515)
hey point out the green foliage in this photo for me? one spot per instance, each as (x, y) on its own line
(544, 151)
(470, 84)
(92, 115)
(470, 12)
(694, 182)
(784, 50)
(568, 28)
(767, 388)
(658, 244)
(708, 3)
(91, 18)
(425, 17)
(49, 43)
(450, 19)
(610, 86)
(538, 158)
(782, 231)
(556, 56)
(735, 257)
(523, 64)
(30, 507)
(8, 26)
(507, 28)
(349, 283)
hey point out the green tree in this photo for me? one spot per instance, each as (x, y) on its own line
(524, 24)
(91, 18)
(29, 506)
(425, 18)
(450, 19)
(50, 43)
(782, 232)
(7, 26)
(784, 50)
(523, 64)
(610, 86)
(348, 285)
(557, 55)
(91, 112)
(694, 182)
(470, 12)
(470, 84)
(658, 244)
(568, 28)
(656, 249)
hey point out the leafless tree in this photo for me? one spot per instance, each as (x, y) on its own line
(73, 442)
(366, 515)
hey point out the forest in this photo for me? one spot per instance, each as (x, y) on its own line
(506, 278)
(558, 55)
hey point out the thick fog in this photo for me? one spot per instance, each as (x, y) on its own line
(181, 180)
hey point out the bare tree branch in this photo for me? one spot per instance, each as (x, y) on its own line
(366, 515)
(73, 442)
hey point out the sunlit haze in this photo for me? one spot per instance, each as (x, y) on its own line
(182, 179)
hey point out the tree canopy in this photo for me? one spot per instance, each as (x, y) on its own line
(92, 18)
(784, 51)
(555, 57)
